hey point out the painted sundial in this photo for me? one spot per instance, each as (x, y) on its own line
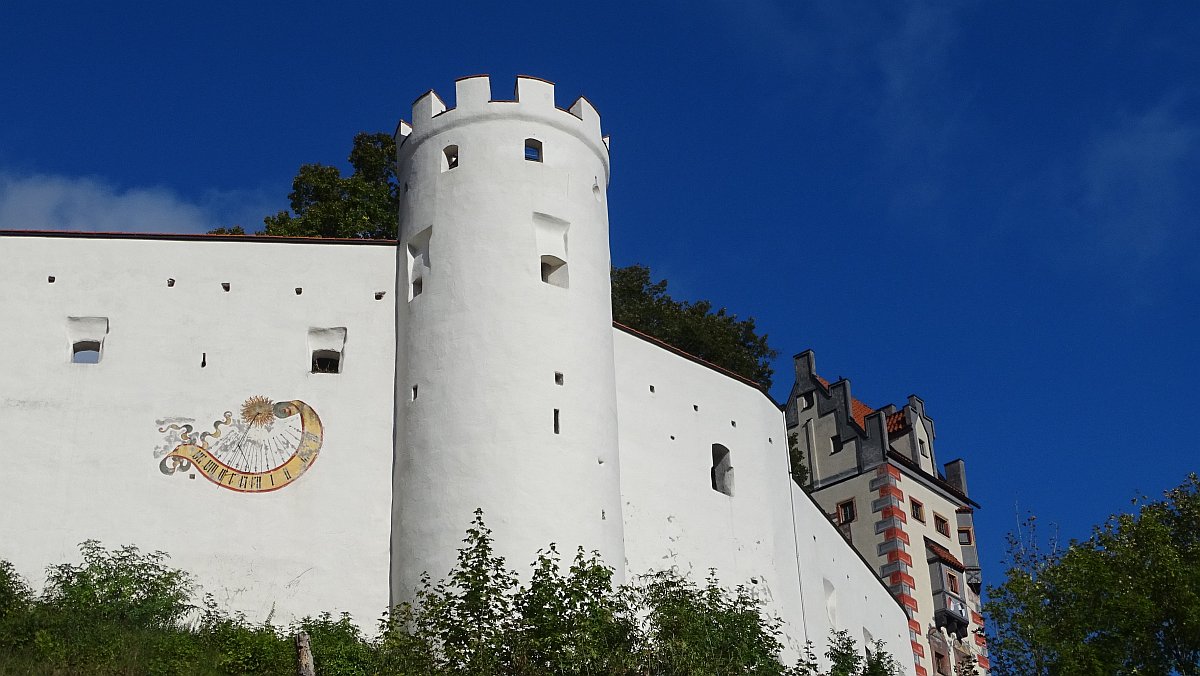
(268, 446)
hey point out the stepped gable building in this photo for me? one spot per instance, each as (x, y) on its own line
(875, 473)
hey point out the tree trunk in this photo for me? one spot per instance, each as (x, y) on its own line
(304, 657)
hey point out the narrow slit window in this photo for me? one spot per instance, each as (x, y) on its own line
(85, 352)
(558, 378)
(418, 263)
(414, 393)
(722, 470)
(449, 157)
(533, 150)
(557, 427)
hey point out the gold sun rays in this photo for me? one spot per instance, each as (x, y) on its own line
(257, 411)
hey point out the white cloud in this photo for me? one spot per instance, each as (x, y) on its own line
(1132, 175)
(51, 202)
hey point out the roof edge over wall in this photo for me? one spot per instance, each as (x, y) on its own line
(193, 237)
(693, 358)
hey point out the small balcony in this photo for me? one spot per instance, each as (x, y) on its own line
(950, 612)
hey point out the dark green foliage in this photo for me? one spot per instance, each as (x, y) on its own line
(364, 205)
(718, 337)
(235, 230)
(1124, 601)
(126, 612)
(123, 586)
(338, 646)
(573, 623)
(800, 473)
(706, 630)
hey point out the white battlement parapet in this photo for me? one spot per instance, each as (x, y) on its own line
(533, 99)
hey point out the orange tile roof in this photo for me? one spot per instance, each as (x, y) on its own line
(897, 423)
(858, 410)
(943, 554)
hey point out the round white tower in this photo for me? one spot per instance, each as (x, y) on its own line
(504, 369)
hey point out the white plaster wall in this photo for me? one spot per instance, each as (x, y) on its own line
(842, 590)
(484, 339)
(768, 535)
(77, 457)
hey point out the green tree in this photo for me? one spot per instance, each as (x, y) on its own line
(692, 326)
(364, 205)
(1124, 601)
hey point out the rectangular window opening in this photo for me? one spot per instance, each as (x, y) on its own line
(965, 537)
(917, 509)
(941, 664)
(326, 361)
(414, 393)
(554, 271)
(941, 524)
(722, 470)
(449, 157)
(533, 150)
(327, 347)
(835, 444)
(85, 352)
(846, 512)
(557, 429)
(86, 337)
(558, 378)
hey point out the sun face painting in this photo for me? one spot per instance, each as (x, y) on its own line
(264, 449)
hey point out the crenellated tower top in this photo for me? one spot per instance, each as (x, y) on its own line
(532, 100)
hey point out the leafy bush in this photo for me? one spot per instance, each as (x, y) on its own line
(126, 612)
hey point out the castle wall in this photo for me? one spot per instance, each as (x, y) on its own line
(767, 535)
(82, 455)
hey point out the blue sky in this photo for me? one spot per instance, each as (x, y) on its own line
(983, 203)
